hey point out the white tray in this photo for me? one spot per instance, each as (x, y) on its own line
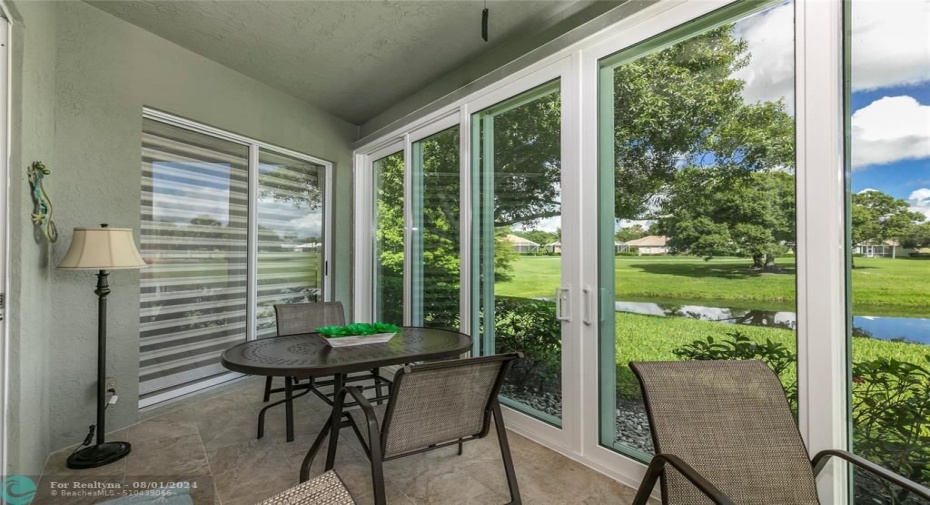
(377, 338)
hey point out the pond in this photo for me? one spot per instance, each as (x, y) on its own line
(910, 329)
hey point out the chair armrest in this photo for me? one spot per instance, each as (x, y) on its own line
(822, 457)
(374, 430)
(657, 466)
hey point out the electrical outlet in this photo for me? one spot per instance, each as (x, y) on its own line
(110, 384)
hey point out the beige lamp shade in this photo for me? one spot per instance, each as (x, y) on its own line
(102, 249)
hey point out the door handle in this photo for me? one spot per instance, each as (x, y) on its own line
(563, 304)
(587, 319)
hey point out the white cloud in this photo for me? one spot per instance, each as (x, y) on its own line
(308, 225)
(920, 201)
(769, 37)
(890, 43)
(890, 129)
(890, 47)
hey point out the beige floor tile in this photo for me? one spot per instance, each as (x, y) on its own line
(214, 441)
(163, 459)
(248, 472)
(177, 423)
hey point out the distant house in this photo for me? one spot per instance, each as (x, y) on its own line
(652, 244)
(887, 249)
(522, 245)
(553, 248)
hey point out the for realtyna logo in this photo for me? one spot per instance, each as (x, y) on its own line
(18, 490)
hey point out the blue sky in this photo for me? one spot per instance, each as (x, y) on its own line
(890, 96)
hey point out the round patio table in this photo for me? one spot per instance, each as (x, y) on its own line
(308, 355)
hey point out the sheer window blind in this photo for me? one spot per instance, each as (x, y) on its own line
(290, 234)
(195, 236)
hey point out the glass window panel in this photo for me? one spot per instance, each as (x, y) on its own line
(193, 236)
(518, 228)
(436, 228)
(290, 234)
(888, 132)
(697, 206)
(388, 268)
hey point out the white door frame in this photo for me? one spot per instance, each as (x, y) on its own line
(567, 438)
(5, 39)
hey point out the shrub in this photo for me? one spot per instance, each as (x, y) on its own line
(891, 405)
(530, 326)
(774, 354)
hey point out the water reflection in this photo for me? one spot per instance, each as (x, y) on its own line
(909, 329)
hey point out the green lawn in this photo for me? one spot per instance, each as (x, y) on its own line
(652, 338)
(881, 286)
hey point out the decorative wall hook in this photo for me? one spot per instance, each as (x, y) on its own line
(42, 216)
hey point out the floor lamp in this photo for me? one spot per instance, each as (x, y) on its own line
(101, 249)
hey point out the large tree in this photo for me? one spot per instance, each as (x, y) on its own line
(918, 238)
(709, 214)
(878, 217)
(682, 106)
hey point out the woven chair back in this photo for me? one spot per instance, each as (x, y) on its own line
(731, 422)
(440, 402)
(296, 318)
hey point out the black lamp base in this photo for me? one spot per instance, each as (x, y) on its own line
(99, 455)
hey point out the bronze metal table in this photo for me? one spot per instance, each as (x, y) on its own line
(308, 355)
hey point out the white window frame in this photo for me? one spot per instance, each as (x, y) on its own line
(254, 147)
(821, 221)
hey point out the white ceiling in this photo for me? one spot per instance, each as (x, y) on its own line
(352, 58)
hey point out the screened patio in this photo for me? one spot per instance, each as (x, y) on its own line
(596, 183)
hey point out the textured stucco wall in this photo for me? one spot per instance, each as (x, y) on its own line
(106, 70)
(32, 138)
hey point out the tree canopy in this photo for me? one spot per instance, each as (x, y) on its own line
(708, 215)
(877, 217)
(683, 107)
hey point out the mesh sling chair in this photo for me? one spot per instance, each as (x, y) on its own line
(327, 489)
(297, 318)
(431, 405)
(726, 431)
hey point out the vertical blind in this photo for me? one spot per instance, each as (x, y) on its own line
(194, 235)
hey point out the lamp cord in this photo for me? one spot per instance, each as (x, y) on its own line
(93, 428)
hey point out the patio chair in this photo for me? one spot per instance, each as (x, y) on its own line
(726, 431)
(297, 318)
(327, 489)
(431, 405)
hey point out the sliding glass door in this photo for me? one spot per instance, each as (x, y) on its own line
(436, 231)
(389, 239)
(291, 231)
(888, 125)
(517, 249)
(696, 245)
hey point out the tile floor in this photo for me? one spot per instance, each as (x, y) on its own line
(211, 442)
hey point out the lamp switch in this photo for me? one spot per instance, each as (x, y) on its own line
(110, 384)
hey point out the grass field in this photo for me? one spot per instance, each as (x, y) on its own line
(881, 286)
